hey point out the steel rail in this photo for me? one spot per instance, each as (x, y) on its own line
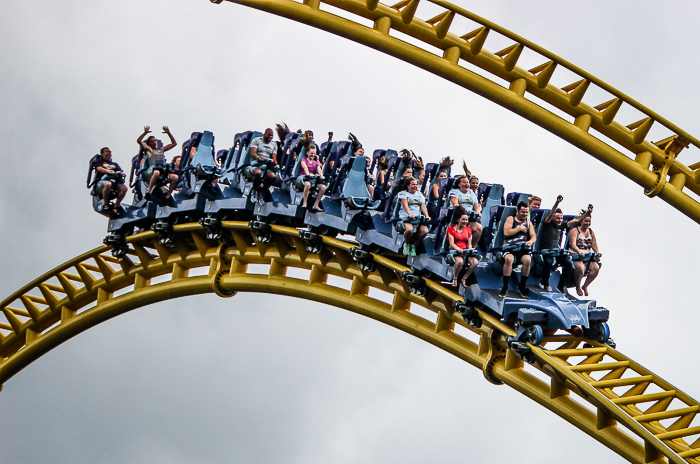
(96, 287)
(652, 165)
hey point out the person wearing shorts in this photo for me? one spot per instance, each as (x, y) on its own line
(411, 205)
(517, 229)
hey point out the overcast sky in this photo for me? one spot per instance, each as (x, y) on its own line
(271, 379)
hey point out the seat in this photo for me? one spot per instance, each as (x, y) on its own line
(354, 189)
(513, 198)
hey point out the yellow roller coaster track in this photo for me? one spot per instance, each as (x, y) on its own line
(596, 388)
(653, 165)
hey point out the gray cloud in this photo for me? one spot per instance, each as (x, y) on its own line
(268, 379)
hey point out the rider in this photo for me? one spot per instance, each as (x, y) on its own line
(534, 202)
(550, 239)
(262, 153)
(108, 173)
(459, 237)
(582, 241)
(313, 174)
(517, 229)
(155, 160)
(463, 195)
(412, 204)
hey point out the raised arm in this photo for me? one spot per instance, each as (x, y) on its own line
(594, 244)
(552, 211)
(581, 217)
(172, 143)
(146, 130)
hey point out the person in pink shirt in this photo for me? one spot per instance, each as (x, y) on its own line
(459, 237)
(313, 174)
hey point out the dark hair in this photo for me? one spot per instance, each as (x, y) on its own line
(102, 150)
(404, 183)
(459, 212)
(304, 139)
(458, 180)
(523, 204)
(558, 210)
(282, 131)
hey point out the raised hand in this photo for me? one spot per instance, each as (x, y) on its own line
(146, 129)
(560, 199)
(166, 130)
(590, 208)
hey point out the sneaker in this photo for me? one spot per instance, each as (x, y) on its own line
(413, 250)
(503, 292)
(522, 291)
(406, 249)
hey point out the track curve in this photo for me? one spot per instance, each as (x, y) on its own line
(652, 165)
(578, 380)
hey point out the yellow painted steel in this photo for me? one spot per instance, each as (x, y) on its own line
(95, 287)
(652, 165)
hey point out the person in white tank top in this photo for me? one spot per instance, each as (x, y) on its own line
(581, 241)
(155, 160)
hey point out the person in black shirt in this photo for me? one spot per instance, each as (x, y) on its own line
(109, 173)
(550, 239)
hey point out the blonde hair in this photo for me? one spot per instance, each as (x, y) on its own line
(533, 198)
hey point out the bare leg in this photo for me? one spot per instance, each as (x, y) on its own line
(307, 189)
(257, 172)
(408, 234)
(473, 263)
(459, 262)
(477, 229)
(120, 195)
(155, 175)
(593, 270)
(319, 195)
(370, 189)
(420, 235)
(526, 260)
(508, 265)
(106, 191)
(269, 179)
(508, 261)
(579, 270)
(173, 183)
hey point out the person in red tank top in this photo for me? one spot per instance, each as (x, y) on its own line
(459, 237)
